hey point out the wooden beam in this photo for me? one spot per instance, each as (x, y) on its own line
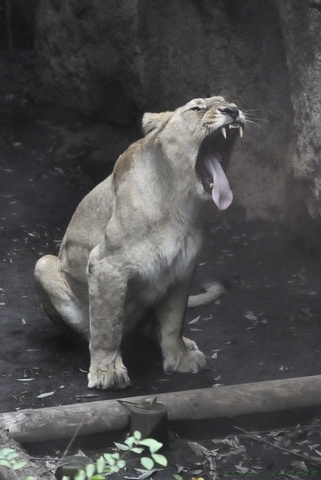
(208, 403)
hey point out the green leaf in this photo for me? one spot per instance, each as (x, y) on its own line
(137, 435)
(177, 476)
(114, 468)
(137, 450)
(5, 463)
(17, 465)
(130, 441)
(100, 464)
(63, 478)
(5, 451)
(80, 475)
(98, 477)
(160, 459)
(110, 459)
(121, 464)
(152, 444)
(108, 470)
(90, 470)
(122, 447)
(12, 455)
(147, 463)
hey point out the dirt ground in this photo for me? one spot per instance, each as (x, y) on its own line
(266, 327)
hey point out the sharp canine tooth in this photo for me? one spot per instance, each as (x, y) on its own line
(223, 129)
(241, 131)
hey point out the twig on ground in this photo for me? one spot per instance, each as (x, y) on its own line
(312, 460)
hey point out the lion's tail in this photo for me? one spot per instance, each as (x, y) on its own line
(213, 291)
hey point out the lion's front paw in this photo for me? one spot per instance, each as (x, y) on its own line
(190, 361)
(108, 377)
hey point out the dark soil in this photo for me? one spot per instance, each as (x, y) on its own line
(267, 325)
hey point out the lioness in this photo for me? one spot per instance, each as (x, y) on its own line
(133, 241)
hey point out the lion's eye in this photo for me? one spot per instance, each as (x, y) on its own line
(196, 109)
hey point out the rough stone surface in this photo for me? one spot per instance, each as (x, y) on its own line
(302, 36)
(84, 53)
(114, 60)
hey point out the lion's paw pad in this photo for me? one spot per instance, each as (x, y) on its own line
(191, 361)
(108, 379)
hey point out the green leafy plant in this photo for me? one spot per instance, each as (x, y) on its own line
(112, 462)
(108, 462)
(9, 458)
(139, 445)
(105, 465)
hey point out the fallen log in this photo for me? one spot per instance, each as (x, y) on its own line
(27, 426)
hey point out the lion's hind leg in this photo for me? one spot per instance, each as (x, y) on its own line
(59, 300)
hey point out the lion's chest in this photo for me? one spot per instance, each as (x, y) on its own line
(165, 260)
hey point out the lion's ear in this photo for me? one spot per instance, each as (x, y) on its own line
(151, 121)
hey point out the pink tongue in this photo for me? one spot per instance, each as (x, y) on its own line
(221, 193)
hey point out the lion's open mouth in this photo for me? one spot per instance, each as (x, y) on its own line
(213, 158)
(233, 125)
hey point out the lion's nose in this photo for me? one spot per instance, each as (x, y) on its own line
(231, 110)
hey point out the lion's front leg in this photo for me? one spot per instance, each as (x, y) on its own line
(180, 354)
(106, 308)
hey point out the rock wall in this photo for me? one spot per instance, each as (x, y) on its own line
(301, 21)
(114, 60)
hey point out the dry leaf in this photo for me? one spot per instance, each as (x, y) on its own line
(44, 395)
(194, 320)
(299, 464)
(199, 449)
(242, 469)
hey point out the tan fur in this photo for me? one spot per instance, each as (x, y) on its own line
(133, 242)
(152, 121)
